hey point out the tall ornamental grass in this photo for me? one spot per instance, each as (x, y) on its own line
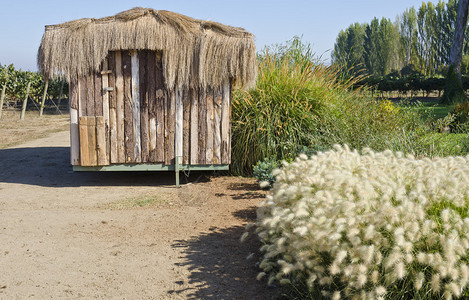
(300, 103)
(368, 225)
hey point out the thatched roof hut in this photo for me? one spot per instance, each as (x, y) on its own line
(149, 87)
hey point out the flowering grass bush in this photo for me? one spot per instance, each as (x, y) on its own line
(300, 102)
(370, 225)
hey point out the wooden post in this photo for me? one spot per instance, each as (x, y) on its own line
(218, 99)
(170, 127)
(151, 93)
(25, 101)
(127, 111)
(209, 133)
(225, 124)
(194, 126)
(41, 110)
(111, 78)
(106, 111)
(2, 96)
(74, 138)
(202, 130)
(136, 106)
(74, 130)
(144, 106)
(161, 105)
(186, 102)
(120, 108)
(178, 134)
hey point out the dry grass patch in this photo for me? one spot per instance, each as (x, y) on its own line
(15, 131)
(144, 201)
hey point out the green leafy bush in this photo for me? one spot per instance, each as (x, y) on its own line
(454, 92)
(370, 225)
(461, 117)
(262, 171)
(299, 102)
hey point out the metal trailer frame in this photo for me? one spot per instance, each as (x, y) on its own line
(154, 167)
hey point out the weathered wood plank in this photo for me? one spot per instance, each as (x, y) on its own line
(119, 92)
(84, 149)
(226, 124)
(90, 104)
(209, 136)
(170, 127)
(186, 102)
(128, 109)
(144, 102)
(152, 140)
(202, 127)
(91, 122)
(111, 77)
(194, 138)
(106, 110)
(136, 106)
(178, 138)
(151, 93)
(74, 137)
(217, 101)
(102, 159)
(82, 95)
(73, 94)
(161, 97)
(98, 94)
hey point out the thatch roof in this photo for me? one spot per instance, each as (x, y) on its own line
(201, 53)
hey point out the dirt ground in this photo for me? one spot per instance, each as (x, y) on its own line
(14, 131)
(121, 235)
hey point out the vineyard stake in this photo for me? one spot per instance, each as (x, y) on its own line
(44, 97)
(2, 96)
(25, 101)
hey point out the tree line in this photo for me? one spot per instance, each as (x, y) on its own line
(419, 39)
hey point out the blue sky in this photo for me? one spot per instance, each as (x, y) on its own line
(318, 21)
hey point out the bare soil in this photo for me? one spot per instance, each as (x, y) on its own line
(120, 235)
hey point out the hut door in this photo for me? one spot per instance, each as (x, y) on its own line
(133, 87)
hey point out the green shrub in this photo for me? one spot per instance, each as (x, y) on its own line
(262, 171)
(370, 225)
(461, 116)
(454, 92)
(299, 102)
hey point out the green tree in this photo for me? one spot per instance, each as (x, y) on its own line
(408, 34)
(371, 47)
(348, 49)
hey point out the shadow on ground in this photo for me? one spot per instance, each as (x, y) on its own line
(50, 167)
(219, 268)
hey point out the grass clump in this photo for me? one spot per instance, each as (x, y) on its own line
(138, 202)
(300, 103)
(370, 225)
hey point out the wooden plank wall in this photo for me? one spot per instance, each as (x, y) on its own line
(124, 114)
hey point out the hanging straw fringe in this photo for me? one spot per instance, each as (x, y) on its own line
(195, 52)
